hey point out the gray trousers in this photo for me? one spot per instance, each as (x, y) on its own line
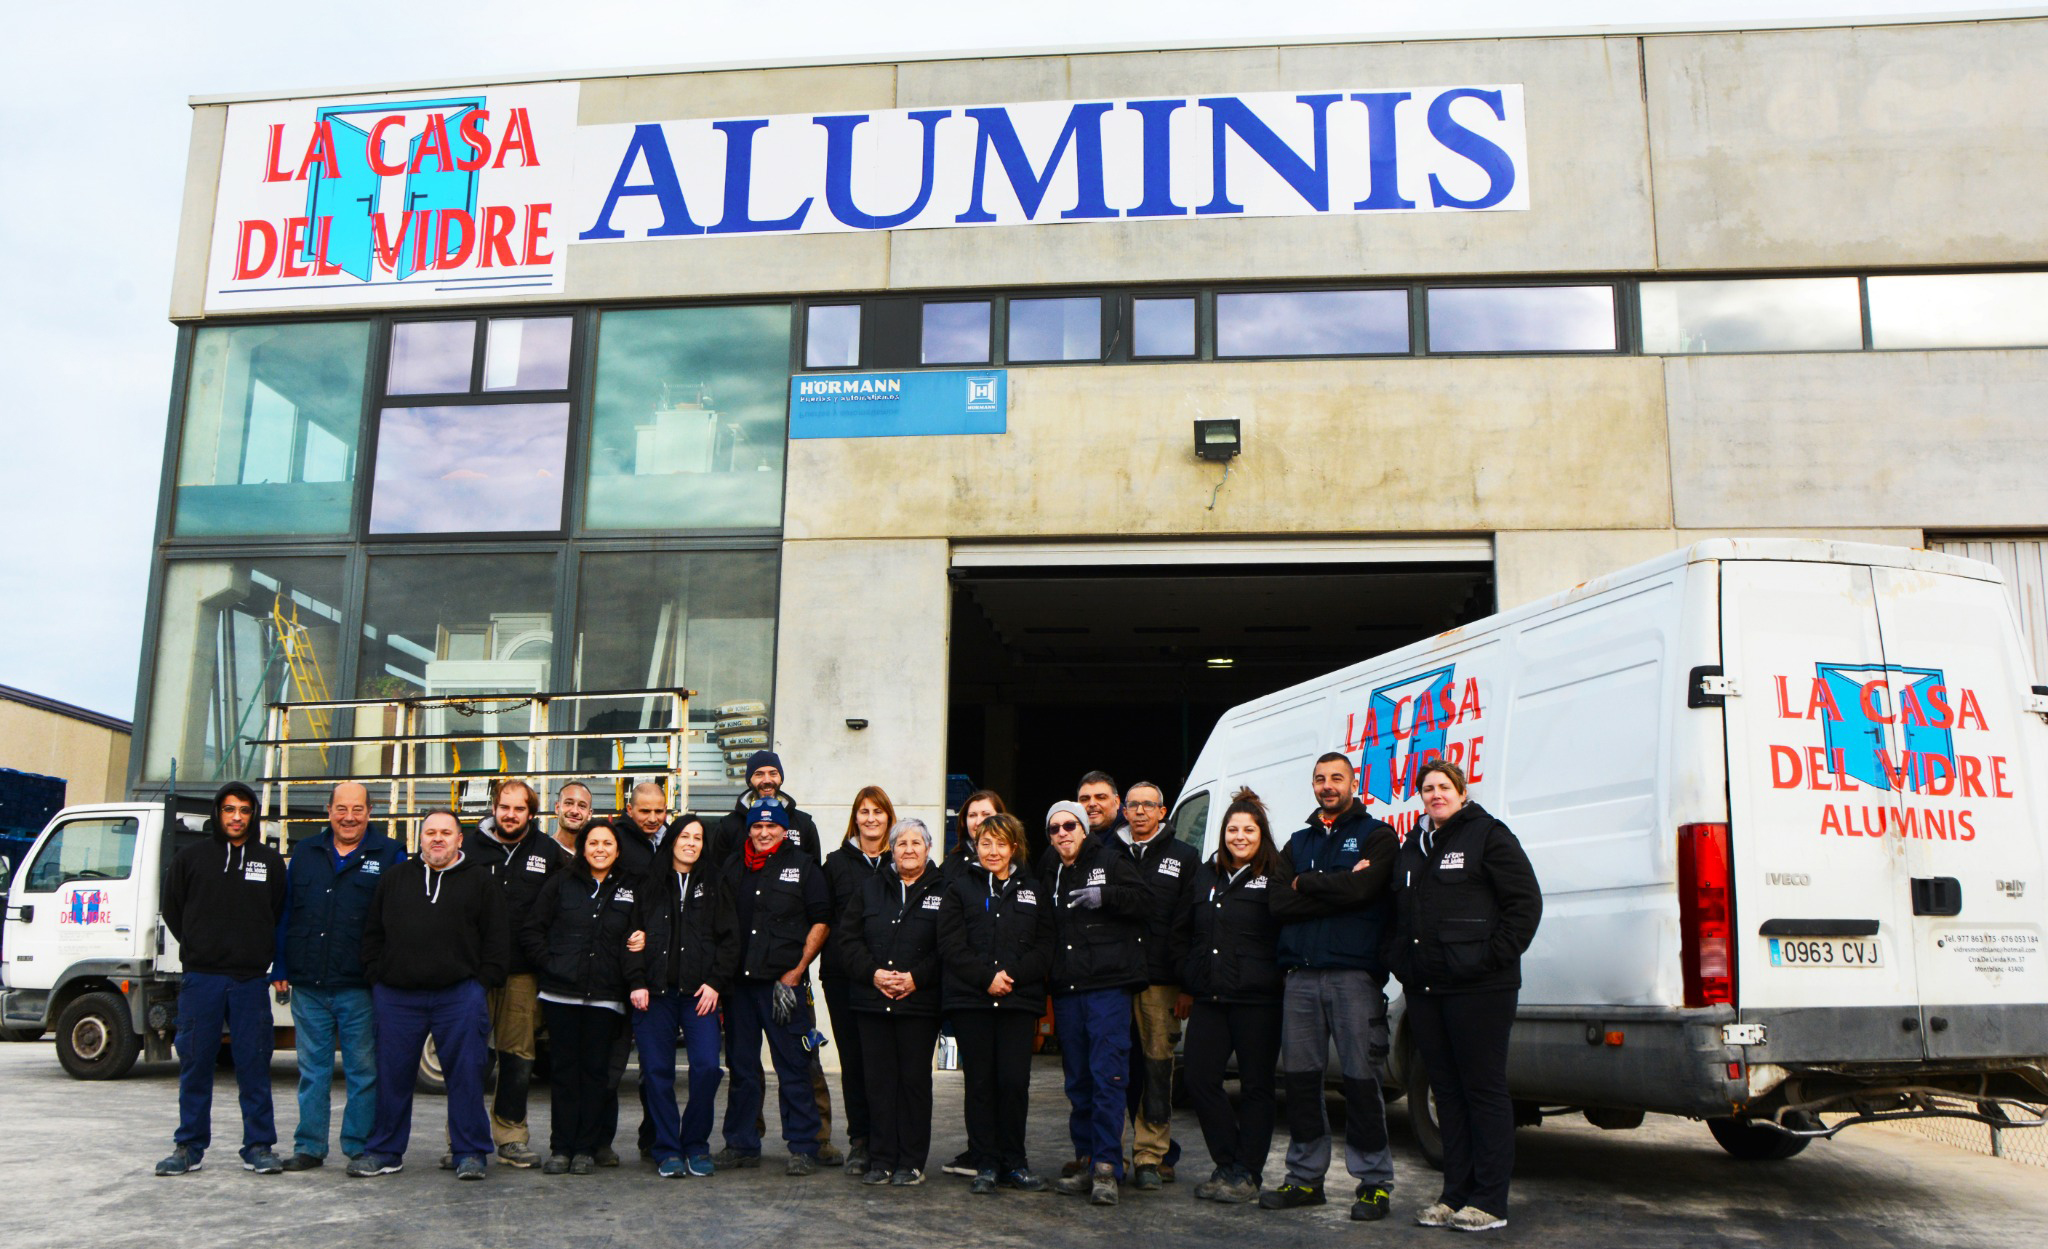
(1349, 1009)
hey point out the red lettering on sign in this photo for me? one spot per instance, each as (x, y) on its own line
(1972, 778)
(1873, 706)
(1937, 775)
(1816, 768)
(294, 244)
(1821, 700)
(1472, 772)
(320, 152)
(1843, 781)
(496, 247)
(1789, 759)
(251, 231)
(1944, 715)
(472, 133)
(518, 138)
(271, 173)
(1969, 829)
(1998, 789)
(386, 246)
(1785, 711)
(433, 142)
(374, 148)
(1968, 711)
(1829, 821)
(536, 214)
(467, 224)
(1909, 708)
(1470, 702)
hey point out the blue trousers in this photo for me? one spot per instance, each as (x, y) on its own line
(326, 1020)
(748, 1015)
(207, 1005)
(1095, 1049)
(687, 1135)
(460, 1024)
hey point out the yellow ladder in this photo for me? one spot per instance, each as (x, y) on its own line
(309, 683)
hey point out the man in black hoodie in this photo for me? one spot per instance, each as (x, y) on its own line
(221, 900)
(436, 939)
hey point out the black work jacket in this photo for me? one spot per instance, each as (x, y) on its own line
(891, 926)
(575, 934)
(780, 903)
(1166, 868)
(1102, 948)
(1231, 938)
(692, 940)
(1466, 904)
(847, 871)
(988, 925)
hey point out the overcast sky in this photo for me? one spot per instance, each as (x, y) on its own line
(93, 132)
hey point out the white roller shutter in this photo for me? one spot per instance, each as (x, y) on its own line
(2024, 562)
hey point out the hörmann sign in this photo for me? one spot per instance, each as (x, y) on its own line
(459, 195)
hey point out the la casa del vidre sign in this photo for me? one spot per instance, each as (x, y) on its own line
(457, 195)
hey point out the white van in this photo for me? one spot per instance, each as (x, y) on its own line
(1786, 802)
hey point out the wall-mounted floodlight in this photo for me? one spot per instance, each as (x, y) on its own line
(856, 724)
(1218, 439)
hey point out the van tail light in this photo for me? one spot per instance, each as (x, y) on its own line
(1706, 919)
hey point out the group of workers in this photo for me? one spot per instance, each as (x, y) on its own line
(683, 934)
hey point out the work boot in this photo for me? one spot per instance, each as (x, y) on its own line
(829, 1155)
(1024, 1180)
(605, 1156)
(1292, 1197)
(1147, 1178)
(582, 1164)
(471, 1167)
(517, 1154)
(1102, 1189)
(1074, 1184)
(906, 1177)
(557, 1164)
(1371, 1206)
(1209, 1188)
(856, 1158)
(1078, 1166)
(730, 1159)
(801, 1164)
(1435, 1214)
(1473, 1219)
(984, 1184)
(1238, 1187)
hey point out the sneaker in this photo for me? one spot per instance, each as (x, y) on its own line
(605, 1156)
(1292, 1197)
(557, 1164)
(906, 1177)
(1207, 1189)
(304, 1162)
(471, 1167)
(801, 1164)
(1436, 1214)
(1473, 1219)
(701, 1166)
(262, 1160)
(183, 1161)
(964, 1166)
(730, 1159)
(582, 1164)
(984, 1184)
(1371, 1206)
(1079, 1184)
(367, 1164)
(672, 1169)
(874, 1175)
(1147, 1178)
(857, 1159)
(517, 1154)
(829, 1155)
(1166, 1171)
(1023, 1180)
(1102, 1189)
(1238, 1188)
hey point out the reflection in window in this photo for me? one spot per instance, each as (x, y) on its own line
(1312, 323)
(955, 333)
(1163, 327)
(1056, 329)
(527, 353)
(1765, 314)
(233, 635)
(700, 621)
(84, 850)
(691, 413)
(431, 358)
(1521, 318)
(832, 337)
(268, 443)
(469, 469)
(1959, 310)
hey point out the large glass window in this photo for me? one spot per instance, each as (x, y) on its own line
(956, 332)
(1312, 323)
(1163, 327)
(1521, 318)
(89, 849)
(233, 636)
(690, 419)
(1055, 329)
(1959, 310)
(696, 620)
(1762, 314)
(272, 414)
(470, 468)
(832, 336)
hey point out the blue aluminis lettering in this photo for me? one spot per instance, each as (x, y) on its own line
(1381, 143)
(839, 169)
(650, 144)
(1157, 117)
(739, 183)
(1083, 130)
(1481, 151)
(1311, 181)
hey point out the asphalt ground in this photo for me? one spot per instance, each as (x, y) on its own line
(78, 1160)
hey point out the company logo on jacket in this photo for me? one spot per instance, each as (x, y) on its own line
(1169, 867)
(792, 874)
(257, 870)
(1455, 858)
(373, 867)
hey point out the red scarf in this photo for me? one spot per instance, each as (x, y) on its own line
(758, 859)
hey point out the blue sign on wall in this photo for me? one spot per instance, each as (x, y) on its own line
(899, 405)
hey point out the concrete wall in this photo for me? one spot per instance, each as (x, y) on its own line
(92, 759)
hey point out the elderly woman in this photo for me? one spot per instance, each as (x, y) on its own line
(888, 943)
(1466, 905)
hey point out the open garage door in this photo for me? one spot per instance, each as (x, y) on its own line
(1121, 656)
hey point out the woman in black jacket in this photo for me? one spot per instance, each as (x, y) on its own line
(862, 855)
(1466, 905)
(889, 945)
(995, 938)
(1098, 963)
(1229, 945)
(575, 936)
(680, 960)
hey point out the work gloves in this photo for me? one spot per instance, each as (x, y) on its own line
(785, 1004)
(1088, 899)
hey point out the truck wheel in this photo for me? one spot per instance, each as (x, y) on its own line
(94, 1039)
(1745, 1140)
(1422, 1120)
(430, 1080)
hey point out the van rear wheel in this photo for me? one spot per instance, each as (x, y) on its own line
(1745, 1140)
(94, 1040)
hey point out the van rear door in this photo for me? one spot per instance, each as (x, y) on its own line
(1970, 825)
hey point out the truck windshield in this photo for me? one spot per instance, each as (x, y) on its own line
(88, 849)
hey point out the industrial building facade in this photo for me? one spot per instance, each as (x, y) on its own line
(1004, 417)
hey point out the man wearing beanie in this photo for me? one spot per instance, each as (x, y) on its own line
(221, 900)
(764, 784)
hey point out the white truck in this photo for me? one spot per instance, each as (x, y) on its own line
(1786, 801)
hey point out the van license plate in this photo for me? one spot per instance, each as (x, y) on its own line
(1842, 952)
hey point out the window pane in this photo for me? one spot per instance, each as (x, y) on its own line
(528, 353)
(470, 469)
(1163, 327)
(1769, 314)
(692, 410)
(84, 850)
(1312, 323)
(1522, 318)
(431, 357)
(272, 414)
(705, 621)
(955, 333)
(832, 337)
(233, 635)
(1960, 310)
(1056, 329)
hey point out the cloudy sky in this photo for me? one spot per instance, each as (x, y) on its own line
(93, 131)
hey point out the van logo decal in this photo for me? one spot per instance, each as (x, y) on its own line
(1863, 701)
(2011, 888)
(1407, 722)
(1787, 878)
(88, 907)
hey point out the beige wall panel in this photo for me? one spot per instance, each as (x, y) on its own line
(994, 80)
(1890, 146)
(1532, 565)
(735, 93)
(195, 212)
(1130, 75)
(92, 760)
(1331, 446)
(683, 268)
(1926, 440)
